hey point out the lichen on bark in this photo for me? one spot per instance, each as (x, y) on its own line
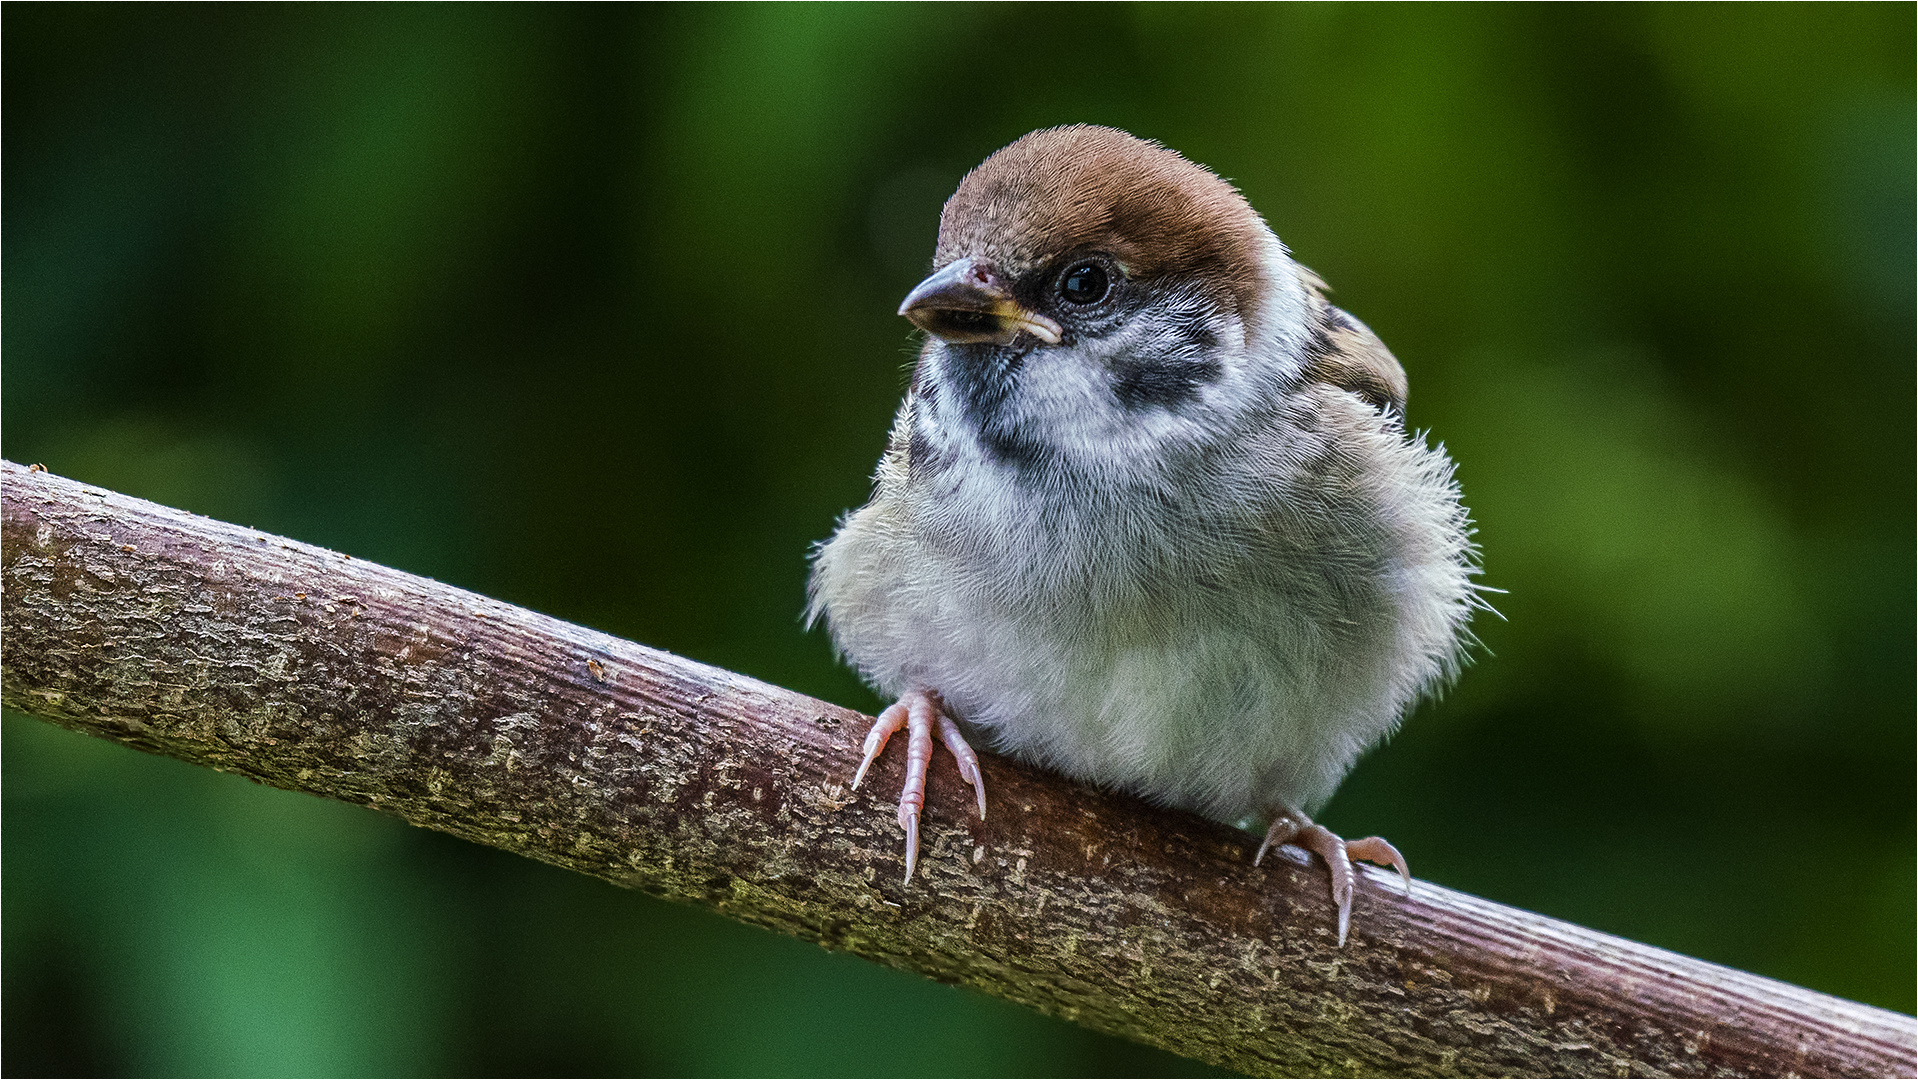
(312, 671)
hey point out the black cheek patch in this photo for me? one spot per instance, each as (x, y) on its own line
(1016, 450)
(1163, 384)
(981, 379)
(922, 460)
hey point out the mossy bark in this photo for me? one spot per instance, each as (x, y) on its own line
(312, 671)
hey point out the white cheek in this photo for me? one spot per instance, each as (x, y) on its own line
(1066, 399)
(1276, 329)
(1063, 397)
(1069, 404)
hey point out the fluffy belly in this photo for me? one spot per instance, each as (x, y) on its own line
(1219, 722)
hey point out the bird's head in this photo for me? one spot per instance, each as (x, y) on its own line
(1098, 296)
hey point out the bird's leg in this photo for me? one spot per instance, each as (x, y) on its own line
(921, 715)
(1291, 827)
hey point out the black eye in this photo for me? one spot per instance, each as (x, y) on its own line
(1085, 283)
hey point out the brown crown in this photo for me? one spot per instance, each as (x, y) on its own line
(1097, 188)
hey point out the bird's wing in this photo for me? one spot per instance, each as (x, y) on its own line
(1345, 353)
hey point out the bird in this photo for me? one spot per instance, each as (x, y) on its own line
(1149, 514)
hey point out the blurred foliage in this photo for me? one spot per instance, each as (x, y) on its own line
(590, 308)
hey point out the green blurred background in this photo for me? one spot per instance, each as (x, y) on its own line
(591, 309)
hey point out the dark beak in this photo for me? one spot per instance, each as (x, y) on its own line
(967, 300)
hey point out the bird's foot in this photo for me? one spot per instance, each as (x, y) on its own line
(1292, 827)
(921, 715)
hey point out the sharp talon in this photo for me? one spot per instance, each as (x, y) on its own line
(1260, 857)
(968, 761)
(969, 772)
(1338, 855)
(1377, 850)
(920, 714)
(911, 822)
(890, 720)
(1343, 886)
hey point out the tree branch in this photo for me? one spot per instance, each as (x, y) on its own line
(308, 670)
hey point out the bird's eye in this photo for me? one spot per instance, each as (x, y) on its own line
(1085, 283)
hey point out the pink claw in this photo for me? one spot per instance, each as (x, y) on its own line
(1290, 826)
(920, 714)
(1375, 849)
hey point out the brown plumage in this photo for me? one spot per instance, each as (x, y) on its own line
(1080, 187)
(1346, 353)
(1151, 514)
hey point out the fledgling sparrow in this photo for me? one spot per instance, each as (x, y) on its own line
(1149, 514)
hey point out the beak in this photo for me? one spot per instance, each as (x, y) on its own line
(968, 300)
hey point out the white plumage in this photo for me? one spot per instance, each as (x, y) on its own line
(1189, 550)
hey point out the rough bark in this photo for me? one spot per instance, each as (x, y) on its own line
(309, 670)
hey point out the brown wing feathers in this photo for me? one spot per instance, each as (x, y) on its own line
(1345, 353)
(1066, 188)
